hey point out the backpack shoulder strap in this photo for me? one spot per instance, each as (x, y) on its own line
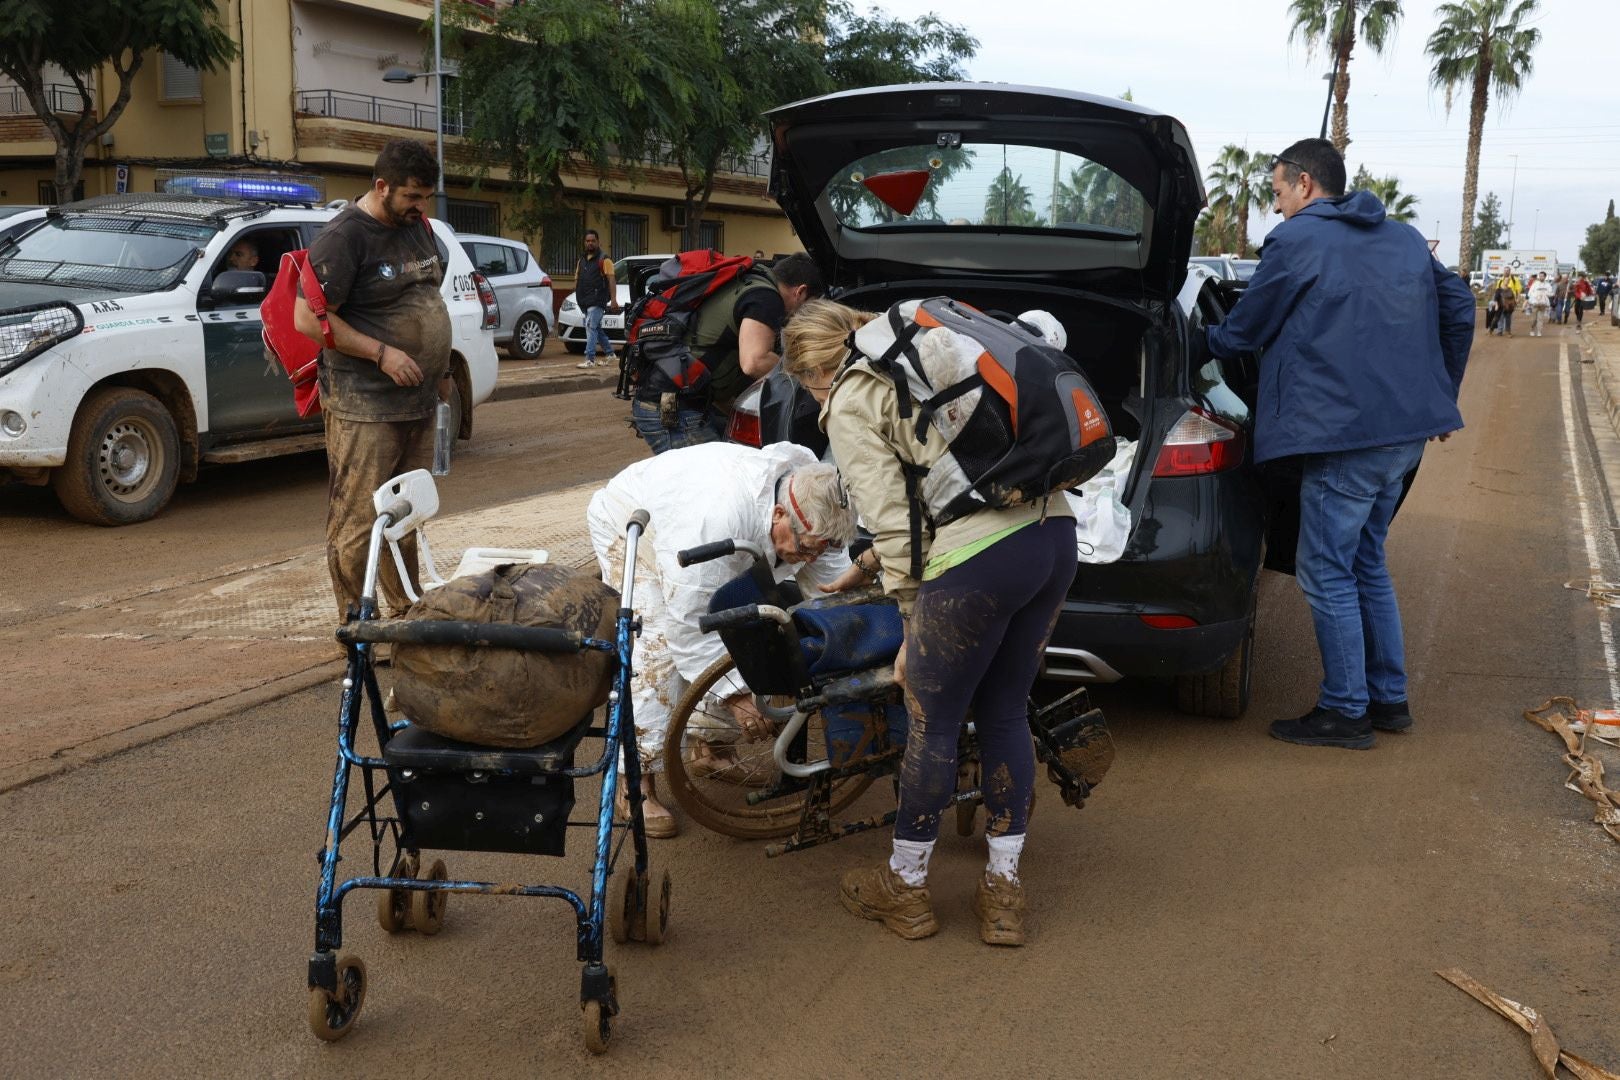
(315, 297)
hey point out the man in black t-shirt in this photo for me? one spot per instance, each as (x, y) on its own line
(381, 269)
(735, 334)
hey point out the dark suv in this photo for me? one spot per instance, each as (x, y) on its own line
(1011, 198)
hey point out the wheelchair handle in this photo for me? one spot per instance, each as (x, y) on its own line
(741, 616)
(706, 552)
(543, 639)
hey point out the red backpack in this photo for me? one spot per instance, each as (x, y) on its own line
(658, 354)
(282, 338)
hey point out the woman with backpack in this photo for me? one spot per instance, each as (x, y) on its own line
(977, 620)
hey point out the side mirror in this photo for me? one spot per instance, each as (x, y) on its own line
(238, 286)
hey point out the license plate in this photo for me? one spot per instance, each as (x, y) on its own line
(613, 322)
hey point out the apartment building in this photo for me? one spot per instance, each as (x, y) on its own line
(307, 94)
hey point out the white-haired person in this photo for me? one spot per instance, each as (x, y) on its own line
(778, 497)
(976, 624)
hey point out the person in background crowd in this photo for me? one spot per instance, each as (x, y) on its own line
(1605, 287)
(1539, 302)
(380, 269)
(1560, 305)
(596, 293)
(1354, 384)
(1581, 295)
(1505, 299)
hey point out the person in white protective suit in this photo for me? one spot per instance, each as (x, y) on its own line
(778, 497)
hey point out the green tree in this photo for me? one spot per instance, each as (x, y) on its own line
(1332, 25)
(1489, 228)
(1094, 194)
(1215, 231)
(1398, 205)
(1239, 182)
(1008, 202)
(1602, 248)
(1483, 45)
(83, 37)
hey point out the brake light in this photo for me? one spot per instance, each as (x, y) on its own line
(545, 281)
(486, 296)
(743, 428)
(1200, 443)
(1169, 622)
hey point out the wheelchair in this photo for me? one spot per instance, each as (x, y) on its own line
(425, 792)
(834, 718)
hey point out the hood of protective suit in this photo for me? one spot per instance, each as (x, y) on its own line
(1357, 208)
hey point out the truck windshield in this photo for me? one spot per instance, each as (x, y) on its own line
(105, 252)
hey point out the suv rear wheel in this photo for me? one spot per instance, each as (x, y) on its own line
(123, 458)
(528, 337)
(1222, 694)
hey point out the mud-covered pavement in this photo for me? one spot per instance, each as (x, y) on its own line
(1226, 906)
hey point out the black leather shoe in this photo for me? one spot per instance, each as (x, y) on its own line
(1389, 715)
(1325, 727)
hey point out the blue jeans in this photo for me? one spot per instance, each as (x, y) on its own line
(594, 333)
(1346, 502)
(693, 425)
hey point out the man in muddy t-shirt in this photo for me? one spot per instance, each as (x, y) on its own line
(381, 270)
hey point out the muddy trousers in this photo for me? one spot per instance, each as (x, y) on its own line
(976, 638)
(360, 455)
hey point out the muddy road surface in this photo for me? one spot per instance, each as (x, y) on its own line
(1225, 906)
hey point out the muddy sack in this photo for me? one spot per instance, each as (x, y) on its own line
(507, 697)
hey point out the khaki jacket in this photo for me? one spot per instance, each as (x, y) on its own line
(869, 440)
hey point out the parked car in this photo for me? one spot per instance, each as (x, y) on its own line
(1223, 266)
(1245, 268)
(130, 355)
(16, 220)
(522, 290)
(1180, 602)
(626, 271)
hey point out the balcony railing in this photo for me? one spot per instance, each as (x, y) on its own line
(343, 105)
(756, 164)
(63, 99)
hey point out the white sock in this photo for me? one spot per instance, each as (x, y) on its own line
(910, 860)
(1004, 852)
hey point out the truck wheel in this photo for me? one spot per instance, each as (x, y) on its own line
(1222, 694)
(528, 337)
(123, 458)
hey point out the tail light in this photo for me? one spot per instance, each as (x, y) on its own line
(1200, 443)
(1169, 622)
(744, 424)
(486, 296)
(545, 281)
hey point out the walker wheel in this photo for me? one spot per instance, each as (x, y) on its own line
(332, 1014)
(394, 905)
(427, 908)
(621, 903)
(598, 1026)
(657, 911)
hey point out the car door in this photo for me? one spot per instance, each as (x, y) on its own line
(249, 396)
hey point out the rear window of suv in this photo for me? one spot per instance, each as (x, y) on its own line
(999, 185)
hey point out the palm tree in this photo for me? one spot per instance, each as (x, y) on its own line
(1333, 25)
(1397, 205)
(1239, 182)
(1481, 44)
(1007, 202)
(1215, 231)
(1095, 195)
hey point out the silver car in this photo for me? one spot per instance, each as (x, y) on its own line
(522, 289)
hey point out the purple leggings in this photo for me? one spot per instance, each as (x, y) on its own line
(976, 638)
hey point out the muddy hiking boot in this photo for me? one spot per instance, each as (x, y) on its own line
(999, 904)
(879, 894)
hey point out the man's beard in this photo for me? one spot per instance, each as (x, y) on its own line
(407, 215)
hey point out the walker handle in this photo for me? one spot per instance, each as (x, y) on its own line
(706, 552)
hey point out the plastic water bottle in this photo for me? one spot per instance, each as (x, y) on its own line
(441, 439)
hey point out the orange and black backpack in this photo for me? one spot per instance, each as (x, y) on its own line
(658, 355)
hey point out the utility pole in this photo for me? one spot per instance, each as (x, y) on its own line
(1534, 229)
(1511, 192)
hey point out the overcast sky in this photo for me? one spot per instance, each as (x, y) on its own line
(1227, 71)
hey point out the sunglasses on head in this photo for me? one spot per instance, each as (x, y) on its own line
(1276, 161)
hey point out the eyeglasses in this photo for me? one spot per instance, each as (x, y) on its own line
(809, 547)
(1276, 161)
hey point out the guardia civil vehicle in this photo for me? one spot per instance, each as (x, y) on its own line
(131, 351)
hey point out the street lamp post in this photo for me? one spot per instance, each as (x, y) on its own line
(1535, 228)
(400, 75)
(1513, 189)
(1332, 78)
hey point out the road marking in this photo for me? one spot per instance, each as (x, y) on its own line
(1594, 560)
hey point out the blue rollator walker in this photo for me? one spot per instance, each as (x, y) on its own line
(429, 792)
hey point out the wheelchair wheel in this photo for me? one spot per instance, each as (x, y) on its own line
(712, 769)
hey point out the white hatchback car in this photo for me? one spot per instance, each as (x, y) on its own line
(130, 356)
(571, 320)
(522, 290)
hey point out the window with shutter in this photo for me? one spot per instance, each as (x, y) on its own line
(181, 82)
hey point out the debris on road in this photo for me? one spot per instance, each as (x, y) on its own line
(1605, 593)
(1559, 715)
(1542, 1040)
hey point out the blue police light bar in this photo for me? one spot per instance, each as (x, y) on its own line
(250, 187)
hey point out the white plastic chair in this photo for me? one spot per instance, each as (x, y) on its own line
(417, 489)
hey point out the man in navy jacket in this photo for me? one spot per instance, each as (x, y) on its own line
(1365, 338)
